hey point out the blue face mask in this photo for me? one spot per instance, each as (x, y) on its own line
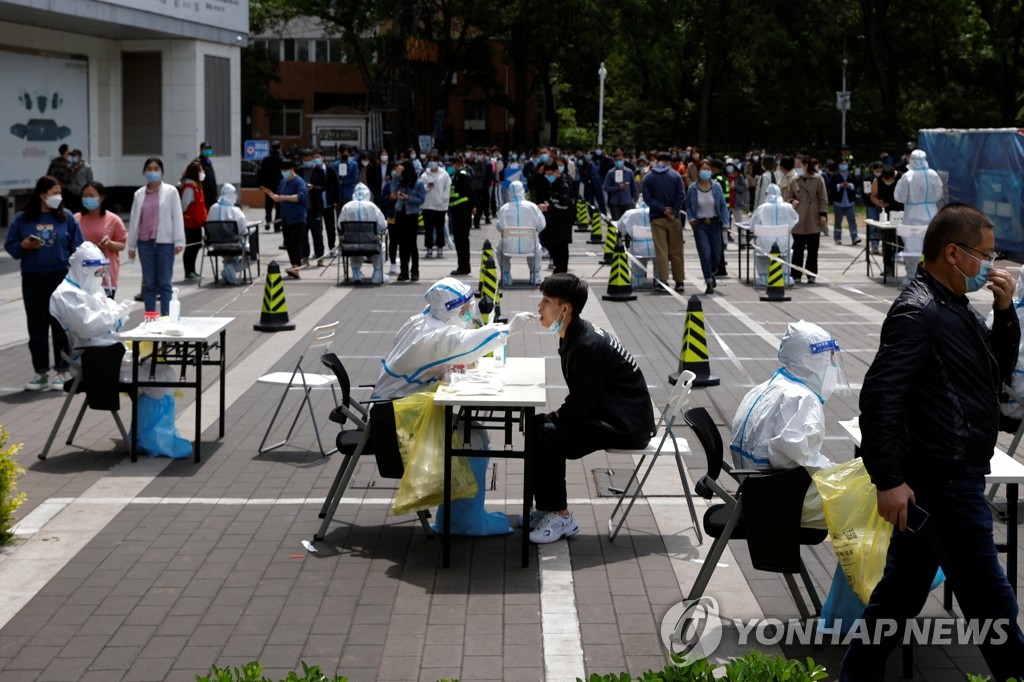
(620, 163)
(561, 168)
(451, 170)
(513, 156)
(705, 175)
(207, 152)
(90, 203)
(308, 164)
(431, 165)
(287, 175)
(980, 280)
(551, 178)
(559, 322)
(153, 176)
(844, 167)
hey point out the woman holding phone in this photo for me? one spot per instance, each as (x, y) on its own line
(43, 237)
(157, 231)
(104, 229)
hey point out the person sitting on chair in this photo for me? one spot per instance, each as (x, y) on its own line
(780, 424)
(425, 348)
(81, 305)
(518, 211)
(362, 209)
(226, 210)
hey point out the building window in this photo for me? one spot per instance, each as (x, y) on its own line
(142, 103)
(289, 50)
(302, 51)
(217, 91)
(474, 114)
(322, 51)
(337, 51)
(287, 121)
(273, 47)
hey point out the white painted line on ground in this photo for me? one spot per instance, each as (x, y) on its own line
(560, 625)
(299, 501)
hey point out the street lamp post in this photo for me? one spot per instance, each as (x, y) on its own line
(601, 73)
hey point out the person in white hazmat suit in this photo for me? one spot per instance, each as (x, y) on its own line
(226, 210)
(918, 189)
(1012, 408)
(636, 224)
(426, 346)
(519, 212)
(362, 209)
(771, 223)
(780, 424)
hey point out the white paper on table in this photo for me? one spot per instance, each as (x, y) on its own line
(475, 384)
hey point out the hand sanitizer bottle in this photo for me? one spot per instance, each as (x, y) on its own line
(174, 309)
(883, 217)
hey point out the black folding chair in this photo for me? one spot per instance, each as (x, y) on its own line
(221, 240)
(356, 239)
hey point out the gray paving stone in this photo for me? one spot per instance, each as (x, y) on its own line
(116, 658)
(148, 670)
(482, 667)
(65, 669)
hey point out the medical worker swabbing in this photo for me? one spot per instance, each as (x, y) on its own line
(445, 334)
(362, 209)
(771, 223)
(81, 305)
(918, 189)
(780, 424)
(519, 212)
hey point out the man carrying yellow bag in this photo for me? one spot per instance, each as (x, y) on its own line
(929, 421)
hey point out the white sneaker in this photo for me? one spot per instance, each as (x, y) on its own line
(58, 381)
(430, 253)
(554, 527)
(440, 253)
(334, 252)
(536, 516)
(393, 270)
(39, 382)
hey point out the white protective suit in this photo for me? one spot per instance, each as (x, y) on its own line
(771, 223)
(781, 423)
(80, 304)
(432, 341)
(918, 189)
(636, 223)
(362, 209)
(226, 210)
(1013, 409)
(519, 212)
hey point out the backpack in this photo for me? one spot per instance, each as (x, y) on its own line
(195, 214)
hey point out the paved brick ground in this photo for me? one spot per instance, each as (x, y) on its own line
(169, 586)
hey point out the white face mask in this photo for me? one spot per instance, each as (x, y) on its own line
(53, 201)
(559, 322)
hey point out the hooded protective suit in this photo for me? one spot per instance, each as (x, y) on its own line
(226, 210)
(781, 423)
(432, 341)
(771, 223)
(636, 222)
(362, 209)
(919, 189)
(80, 304)
(519, 212)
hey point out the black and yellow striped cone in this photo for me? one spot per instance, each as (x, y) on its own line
(487, 254)
(776, 289)
(421, 225)
(611, 238)
(619, 286)
(596, 231)
(693, 356)
(582, 216)
(274, 315)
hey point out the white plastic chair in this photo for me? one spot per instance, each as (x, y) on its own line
(518, 241)
(665, 436)
(298, 378)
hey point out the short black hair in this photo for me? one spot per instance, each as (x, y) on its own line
(62, 150)
(955, 223)
(567, 287)
(275, 144)
(205, 145)
(308, 151)
(287, 164)
(664, 156)
(786, 163)
(888, 172)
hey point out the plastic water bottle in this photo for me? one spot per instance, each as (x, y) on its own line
(500, 354)
(883, 217)
(174, 309)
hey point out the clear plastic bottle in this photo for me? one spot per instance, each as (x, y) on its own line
(174, 309)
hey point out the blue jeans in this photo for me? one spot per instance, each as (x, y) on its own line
(850, 213)
(708, 237)
(958, 537)
(157, 261)
(874, 235)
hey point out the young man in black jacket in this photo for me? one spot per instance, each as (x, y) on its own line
(608, 405)
(929, 420)
(461, 209)
(316, 188)
(556, 198)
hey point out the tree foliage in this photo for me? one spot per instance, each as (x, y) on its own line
(727, 73)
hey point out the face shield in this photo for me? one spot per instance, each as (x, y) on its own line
(447, 300)
(88, 268)
(809, 355)
(833, 374)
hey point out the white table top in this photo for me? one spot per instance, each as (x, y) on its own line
(195, 328)
(524, 387)
(1005, 469)
(884, 226)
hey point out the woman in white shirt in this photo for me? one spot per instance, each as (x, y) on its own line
(156, 230)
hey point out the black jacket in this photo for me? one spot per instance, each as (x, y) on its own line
(560, 215)
(316, 186)
(835, 194)
(607, 390)
(930, 401)
(270, 170)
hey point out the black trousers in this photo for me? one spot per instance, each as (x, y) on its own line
(272, 213)
(555, 443)
(407, 225)
(330, 226)
(36, 288)
(483, 207)
(193, 241)
(393, 241)
(433, 227)
(294, 236)
(810, 243)
(461, 218)
(315, 229)
(559, 254)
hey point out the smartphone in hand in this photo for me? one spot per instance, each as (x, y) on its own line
(35, 238)
(916, 517)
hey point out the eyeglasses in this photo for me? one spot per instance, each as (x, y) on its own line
(990, 257)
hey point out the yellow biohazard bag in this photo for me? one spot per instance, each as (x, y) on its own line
(859, 535)
(420, 427)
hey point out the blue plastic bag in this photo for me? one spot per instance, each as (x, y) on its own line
(158, 436)
(842, 606)
(469, 516)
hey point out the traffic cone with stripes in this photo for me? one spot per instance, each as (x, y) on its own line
(693, 356)
(776, 289)
(596, 227)
(274, 314)
(611, 238)
(582, 216)
(619, 286)
(487, 254)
